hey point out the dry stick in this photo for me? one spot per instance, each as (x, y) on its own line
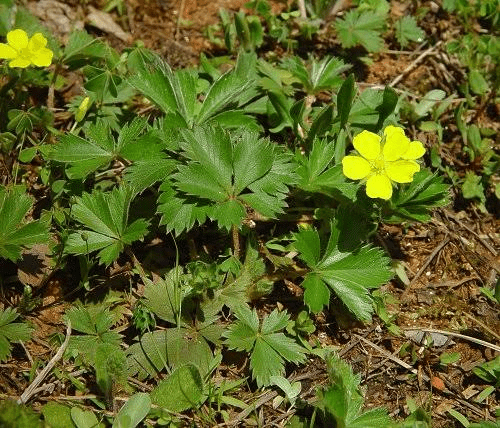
(28, 392)
(489, 330)
(460, 336)
(302, 8)
(391, 357)
(481, 240)
(179, 18)
(414, 63)
(336, 8)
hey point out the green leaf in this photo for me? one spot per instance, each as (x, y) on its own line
(105, 218)
(82, 46)
(316, 293)
(388, 106)
(268, 346)
(224, 173)
(416, 200)
(407, 31)
(429, 100)
(308, 245)
(342, 400)
(7, 12)
(472, 187)
(182, 390)
(154, 78)
(317, 76)
(95, 322)
(322, 123)
(489, 371)
(84, 418)
(143, 174)
(14, 232)
(373, 109)
(100, 147)
(282, 105)
(172, 348)
(325, 74)
(344, 99)
(449, 357)
(110, 364)
(180, 211)
(316, 175)
(347, 268)
(57, 415)
(361, 28)
(164, 296)
(477, 82)
(11, 331)
(134, 411)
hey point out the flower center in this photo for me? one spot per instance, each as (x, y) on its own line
(378, 165)
(26, 54)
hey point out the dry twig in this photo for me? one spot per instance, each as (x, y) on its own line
(33, 387)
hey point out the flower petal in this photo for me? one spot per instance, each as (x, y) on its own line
(396, 143)
(42, 57)
(355, 167)
(7, 52)
(37, 42)
(379, 186)
(415, 151)
(18, 39)
(367, 144)
(19, 62)
(402, 171)
(391, 130)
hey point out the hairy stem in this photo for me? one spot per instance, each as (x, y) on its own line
(236, 241)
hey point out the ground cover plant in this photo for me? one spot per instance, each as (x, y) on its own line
(295, 224)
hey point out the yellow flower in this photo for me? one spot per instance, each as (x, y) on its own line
(24, 51)
(383, 161)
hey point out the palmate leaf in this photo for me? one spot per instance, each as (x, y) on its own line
(269, 347)
(11, 331)
(347, 267)
(415, 200)
(317, 76)
(318, 176)
(361, 28)
(95, 323)
(175, 93)
(105, 220)
(407, 30)
(169, 348)
(14, 232)
(180, 211)
(154, 78)
(224, 174)
(100, 147)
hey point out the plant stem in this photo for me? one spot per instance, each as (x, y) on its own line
(236, 241)
(50, 95)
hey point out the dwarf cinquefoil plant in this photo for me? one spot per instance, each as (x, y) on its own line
(383, 161)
